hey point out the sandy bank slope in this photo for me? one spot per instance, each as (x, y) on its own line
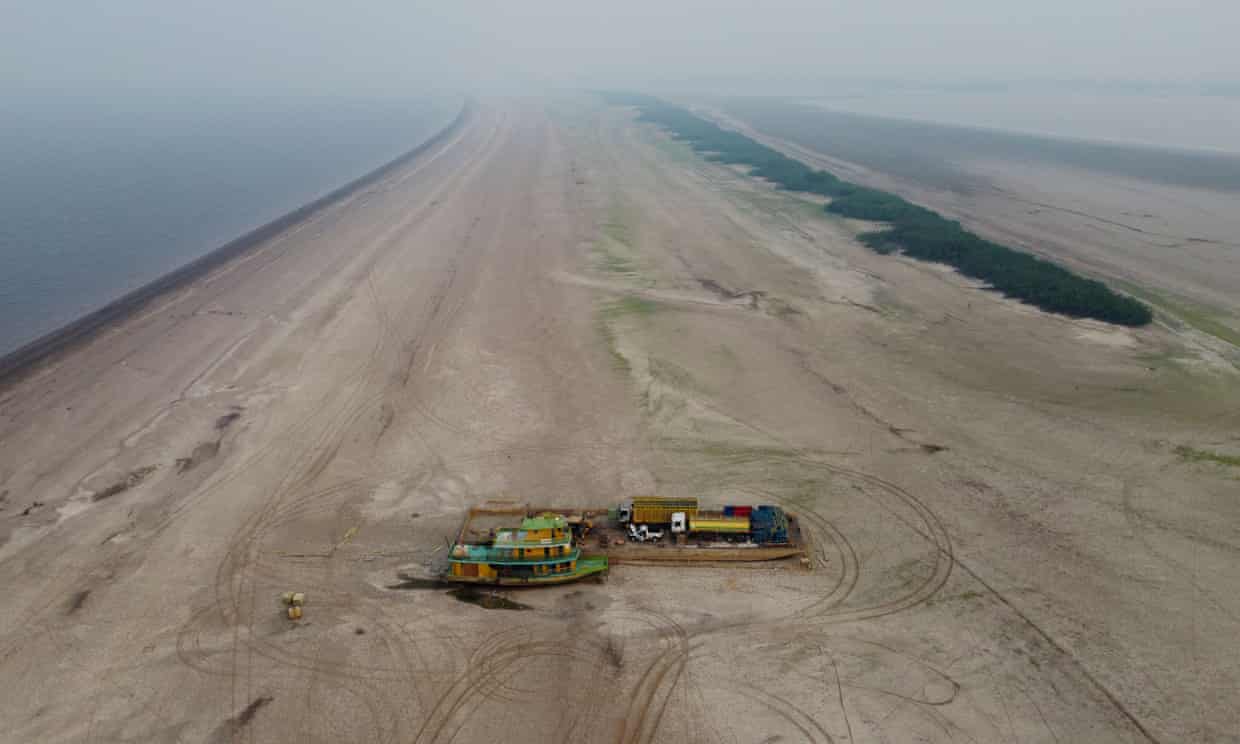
(385, 357)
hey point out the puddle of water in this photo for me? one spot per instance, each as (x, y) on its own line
(486, 600)
(415, 582)
(481, 597)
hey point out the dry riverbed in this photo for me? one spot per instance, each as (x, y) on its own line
(1025, 527)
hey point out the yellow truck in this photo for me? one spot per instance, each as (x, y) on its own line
(656, 510)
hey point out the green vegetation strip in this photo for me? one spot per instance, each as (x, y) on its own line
(916, 231)
(1206, 319)
(628, 305)
(1191, 454)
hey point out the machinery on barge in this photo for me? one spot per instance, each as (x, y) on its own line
(648, 518)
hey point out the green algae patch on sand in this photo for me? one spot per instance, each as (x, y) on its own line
(1192, 454)
(610, 314)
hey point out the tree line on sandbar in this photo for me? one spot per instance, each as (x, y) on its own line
(913, 230)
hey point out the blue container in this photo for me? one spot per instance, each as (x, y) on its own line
(768, 524)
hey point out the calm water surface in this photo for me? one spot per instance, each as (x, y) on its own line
(98, 197)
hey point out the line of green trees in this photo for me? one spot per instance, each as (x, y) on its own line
(916, 231)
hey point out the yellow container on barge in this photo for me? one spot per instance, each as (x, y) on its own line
(719, 524)
(659, 509)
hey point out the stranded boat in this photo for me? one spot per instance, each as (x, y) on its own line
(507, 543)
(539, 551)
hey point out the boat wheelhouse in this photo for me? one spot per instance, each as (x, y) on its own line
(539, 551)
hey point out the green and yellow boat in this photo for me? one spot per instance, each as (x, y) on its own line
(539, 551)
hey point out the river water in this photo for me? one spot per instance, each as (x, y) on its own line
(99, 196)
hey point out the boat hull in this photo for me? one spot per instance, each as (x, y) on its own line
(586, 567)
(641, 553)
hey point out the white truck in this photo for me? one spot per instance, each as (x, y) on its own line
(643, 533)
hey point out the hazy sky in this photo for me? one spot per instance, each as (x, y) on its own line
(387, 46)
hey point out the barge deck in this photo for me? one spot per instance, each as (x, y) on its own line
(600, 536)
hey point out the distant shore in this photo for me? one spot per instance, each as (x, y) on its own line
(1160, 224)
(22, 360)
(938, 154)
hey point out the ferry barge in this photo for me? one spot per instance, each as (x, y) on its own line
(508, 544)
(540, 550)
